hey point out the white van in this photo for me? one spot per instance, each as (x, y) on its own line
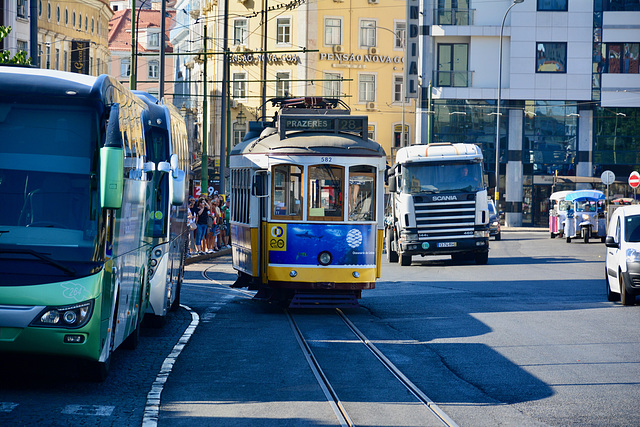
(622, 264)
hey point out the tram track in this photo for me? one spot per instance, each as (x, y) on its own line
(332, 396)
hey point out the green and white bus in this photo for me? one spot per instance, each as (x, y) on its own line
(74, 197)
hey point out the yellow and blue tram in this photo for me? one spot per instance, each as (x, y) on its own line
(307, 195)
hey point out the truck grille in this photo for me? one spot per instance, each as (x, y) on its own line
(445, 218)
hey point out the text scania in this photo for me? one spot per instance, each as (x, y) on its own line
(441, 198)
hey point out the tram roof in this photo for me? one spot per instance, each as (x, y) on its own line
(44, 82)
(309, 143)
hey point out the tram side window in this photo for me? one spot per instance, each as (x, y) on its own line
(325, 192)
(362, 193)
(287, 191)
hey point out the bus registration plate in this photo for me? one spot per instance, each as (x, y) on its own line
(447, 244)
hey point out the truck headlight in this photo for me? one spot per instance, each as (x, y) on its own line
(480, 234)
(633, 255)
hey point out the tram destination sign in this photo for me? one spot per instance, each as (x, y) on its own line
(324, 124)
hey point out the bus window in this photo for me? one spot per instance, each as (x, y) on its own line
(362, 193)
(325, 192)
(287, 191)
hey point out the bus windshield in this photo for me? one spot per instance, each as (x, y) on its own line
(48, 220)
(426, 177)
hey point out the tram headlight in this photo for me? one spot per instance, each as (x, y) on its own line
(325, 258)
(68, 316)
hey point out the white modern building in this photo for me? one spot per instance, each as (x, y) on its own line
(570, 91)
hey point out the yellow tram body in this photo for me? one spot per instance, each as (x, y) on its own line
(307, 198)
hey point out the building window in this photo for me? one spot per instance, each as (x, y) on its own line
(283, 31)
(621, 5)
(551, 57)
(367, 88)
(239, 86)
(332, 85)
(400, 29)
(65, 61)
(240, 31)
(452, 65)
(398, 88)
(93, 25)
(39, 8)
(22, 46)
(153, 68)
(154, 40)
(397, 135)
(239, 131)
(552, 5)
(283, 84)
(368, 29)
(80, 21)
(453, 12)
(48, 11)
(57, 59)
(86, 24)
(58, 14)
(22, 8)
(621, 58)
(332, 31)
(371, 132)
(48, 58)
(66, 16)
(73, 20)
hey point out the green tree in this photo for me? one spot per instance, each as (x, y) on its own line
(5, 56)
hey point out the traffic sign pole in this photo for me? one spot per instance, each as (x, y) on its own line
(634, 181)
(607, 177)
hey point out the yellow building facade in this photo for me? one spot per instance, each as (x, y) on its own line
(351, 49)
(73, 35)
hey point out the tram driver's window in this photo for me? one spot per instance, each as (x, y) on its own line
(325, 192)
(362, 193)
(287, 191)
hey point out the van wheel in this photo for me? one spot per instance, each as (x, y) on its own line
(405, 260)
(626, 297)
(611, 296)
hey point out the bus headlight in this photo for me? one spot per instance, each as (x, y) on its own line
(68, 316)
(325, 258)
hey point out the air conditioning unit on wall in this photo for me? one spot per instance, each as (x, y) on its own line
(371, 106)
(373, 1)
(373, 51)
(338, 48)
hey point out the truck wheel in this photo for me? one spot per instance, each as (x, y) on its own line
(392, 256)
(482, 258)
(405, 260)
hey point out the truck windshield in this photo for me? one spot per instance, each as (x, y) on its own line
(425, 177)
(48, 219)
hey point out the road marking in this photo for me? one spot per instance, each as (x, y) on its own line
(7, 406)
(91, 410)
(152, 409)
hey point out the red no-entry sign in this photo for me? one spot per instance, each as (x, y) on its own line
(634, 179)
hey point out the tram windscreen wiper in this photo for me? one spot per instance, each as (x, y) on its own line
(70, 271)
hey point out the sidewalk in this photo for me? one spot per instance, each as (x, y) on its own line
(525, 229)
(198, 258)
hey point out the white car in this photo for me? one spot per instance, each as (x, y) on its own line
(622, 264)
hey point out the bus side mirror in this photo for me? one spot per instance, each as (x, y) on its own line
(178, 187)
(492, 179)
(112, 163)
(257, 187)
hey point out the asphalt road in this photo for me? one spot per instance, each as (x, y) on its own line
(527, 340)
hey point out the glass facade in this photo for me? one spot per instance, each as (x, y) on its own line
(616, 134)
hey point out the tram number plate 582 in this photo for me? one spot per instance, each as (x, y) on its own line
(326, 159)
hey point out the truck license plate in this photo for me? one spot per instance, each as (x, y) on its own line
(447, 245)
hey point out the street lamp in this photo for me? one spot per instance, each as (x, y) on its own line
(497, 194)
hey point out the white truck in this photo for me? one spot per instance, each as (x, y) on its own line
(439, 203)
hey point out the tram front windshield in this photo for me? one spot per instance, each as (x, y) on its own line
(451, 177)
(48, 219)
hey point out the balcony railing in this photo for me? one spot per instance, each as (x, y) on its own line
(453, 16)
(452, 78)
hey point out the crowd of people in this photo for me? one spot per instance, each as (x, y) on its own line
(208, 224)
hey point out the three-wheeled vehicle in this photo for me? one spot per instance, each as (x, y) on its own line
(586, 218)
(558, 208)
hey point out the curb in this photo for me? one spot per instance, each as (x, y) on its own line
(198, 258)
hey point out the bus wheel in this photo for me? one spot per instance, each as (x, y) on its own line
(392, 256)
(405, 260)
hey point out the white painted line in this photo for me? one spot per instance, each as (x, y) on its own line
(152, 409)
(7, 406)
(91, 410)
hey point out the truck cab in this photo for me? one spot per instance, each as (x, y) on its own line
(439, 203)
